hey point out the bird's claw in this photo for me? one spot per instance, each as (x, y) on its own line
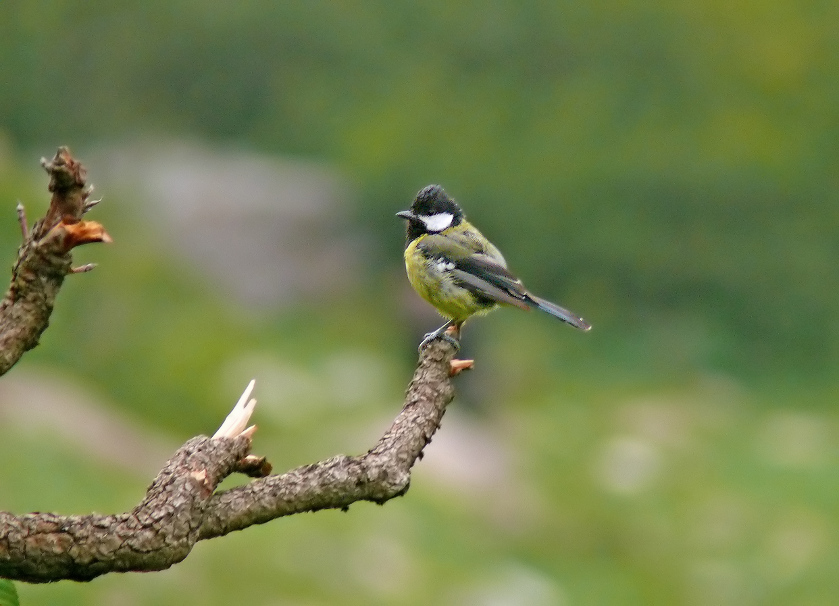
(441, 334)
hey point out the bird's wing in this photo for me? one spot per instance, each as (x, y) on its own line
(478, 272)
(486, 274)
(480, 286)
(476, 244)
(486, 269)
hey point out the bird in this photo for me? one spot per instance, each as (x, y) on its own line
(462, 274)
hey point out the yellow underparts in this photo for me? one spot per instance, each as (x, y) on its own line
(438, 288)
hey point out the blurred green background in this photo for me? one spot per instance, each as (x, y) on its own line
(666, 169)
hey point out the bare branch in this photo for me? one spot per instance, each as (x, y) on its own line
(159, 532)
(21, 218)
(44, 258)
(378, 476)
(181, 508)
(83, 269)
(458, 366)
(89, 204)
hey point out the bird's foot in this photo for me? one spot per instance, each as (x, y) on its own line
(446, 332)
(439, 335)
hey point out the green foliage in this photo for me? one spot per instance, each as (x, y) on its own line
(8, 593)
(680, 156)
(667, 170)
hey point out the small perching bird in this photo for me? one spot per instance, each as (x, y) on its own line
(456, 269)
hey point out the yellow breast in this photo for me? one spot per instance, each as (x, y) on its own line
(435, 285)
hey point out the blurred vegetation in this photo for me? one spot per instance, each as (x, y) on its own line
(668, 170)
(681, 156)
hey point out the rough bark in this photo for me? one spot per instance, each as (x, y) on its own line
(44, 258)
(379, 475)
(181, 505)
(159, 532)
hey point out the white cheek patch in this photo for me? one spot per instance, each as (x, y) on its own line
(437, 222)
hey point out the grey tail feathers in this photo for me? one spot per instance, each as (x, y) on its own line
(560, 312)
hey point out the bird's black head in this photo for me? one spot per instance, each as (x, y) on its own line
(432, 212)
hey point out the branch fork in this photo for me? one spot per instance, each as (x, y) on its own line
(182, 505)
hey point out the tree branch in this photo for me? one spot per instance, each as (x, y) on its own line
(181, 506)
(160, 531)
(378, 476)
(44, 258)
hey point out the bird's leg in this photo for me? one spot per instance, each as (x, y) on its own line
(443, 333)
(453, 330)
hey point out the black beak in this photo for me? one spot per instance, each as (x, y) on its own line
(406, 214)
